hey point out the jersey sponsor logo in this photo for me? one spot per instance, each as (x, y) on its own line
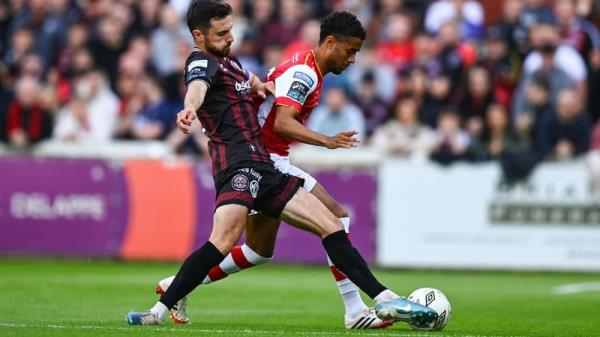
(254, 188)
(298, 91)
(243, 86)
(239, 182)
(305, 77)
(197, 64)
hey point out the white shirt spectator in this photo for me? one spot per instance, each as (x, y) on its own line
(566, 58)
(92, 118)
(337, 116)
(443, 11)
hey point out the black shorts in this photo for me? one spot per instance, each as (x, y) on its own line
(257, 186)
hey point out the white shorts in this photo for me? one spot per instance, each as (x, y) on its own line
(284, 166)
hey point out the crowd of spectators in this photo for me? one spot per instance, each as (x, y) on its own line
(433, 80)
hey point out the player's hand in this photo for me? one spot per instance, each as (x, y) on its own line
(344, 140)
(185, 118)
(264, 89)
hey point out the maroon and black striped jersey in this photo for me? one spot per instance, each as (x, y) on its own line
(228, 113)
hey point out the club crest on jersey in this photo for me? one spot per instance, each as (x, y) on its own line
(254, 188)
(298, 91)
(239, 182)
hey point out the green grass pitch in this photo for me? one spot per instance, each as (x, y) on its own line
(56, 297)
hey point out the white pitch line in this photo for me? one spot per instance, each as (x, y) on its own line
(574, 288)
(236, 331)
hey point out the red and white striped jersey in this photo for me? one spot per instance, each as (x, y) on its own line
(298, 83)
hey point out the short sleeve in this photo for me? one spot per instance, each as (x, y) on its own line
(294, 85)
(200, 66)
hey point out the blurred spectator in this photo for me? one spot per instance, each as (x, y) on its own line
(503, 64)
(157, 118)
(511, 28)
(476, 100)
(108, 45)
(555, 77)
(5, 20)
(337, 115)
(27, 121)
(77, 38)
(92, 114)
(165, 39)
(263, 12)
(566, 133)
(21, 43)
(467, 13)
(536, 104)
(546, 42)
(146, 13)
(309, 39)
(5, 98)
(535, 12)
(131, 102)
(384, 75)
(397, 49)
(498, 138)
(287, 26)
(577, 32)
(435, 99)
(241, 26)
(582, 35)
(404, 135)
(50, 28)
(375, 27)
(449, 55)
(367, 99)
(450, 141)
(592, 161)
(83, 61)
(137, 57)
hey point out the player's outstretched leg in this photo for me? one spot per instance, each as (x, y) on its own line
(241, 257)
(305, 211)
(356, 313)
(229, 222)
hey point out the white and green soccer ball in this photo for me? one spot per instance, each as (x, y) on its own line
(436, 300)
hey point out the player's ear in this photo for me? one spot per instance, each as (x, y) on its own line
(198, 35)
(330, 41)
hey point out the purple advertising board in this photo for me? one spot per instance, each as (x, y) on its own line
(354, 189)
(61, 207)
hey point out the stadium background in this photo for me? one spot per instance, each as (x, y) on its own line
(481, 150)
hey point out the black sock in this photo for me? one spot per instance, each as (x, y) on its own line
(193, 270)
(347, 259)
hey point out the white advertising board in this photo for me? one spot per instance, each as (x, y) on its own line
(463, 216)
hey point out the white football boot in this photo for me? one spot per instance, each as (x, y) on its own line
(179, 311)
(366, 320)
(142, 318)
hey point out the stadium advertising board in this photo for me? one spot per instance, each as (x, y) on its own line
(65, 207)
(465, 217)
(144, 209)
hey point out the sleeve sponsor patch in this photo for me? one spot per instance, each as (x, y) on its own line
(298, 91)
(304, 77)
(197, 64)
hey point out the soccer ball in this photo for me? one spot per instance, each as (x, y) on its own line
(437, 301)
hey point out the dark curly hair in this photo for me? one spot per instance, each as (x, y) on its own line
(201, 12)
(341, 25)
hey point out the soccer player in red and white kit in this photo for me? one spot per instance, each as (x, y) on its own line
(298, 84)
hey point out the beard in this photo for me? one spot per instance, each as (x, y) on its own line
(219, 52)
